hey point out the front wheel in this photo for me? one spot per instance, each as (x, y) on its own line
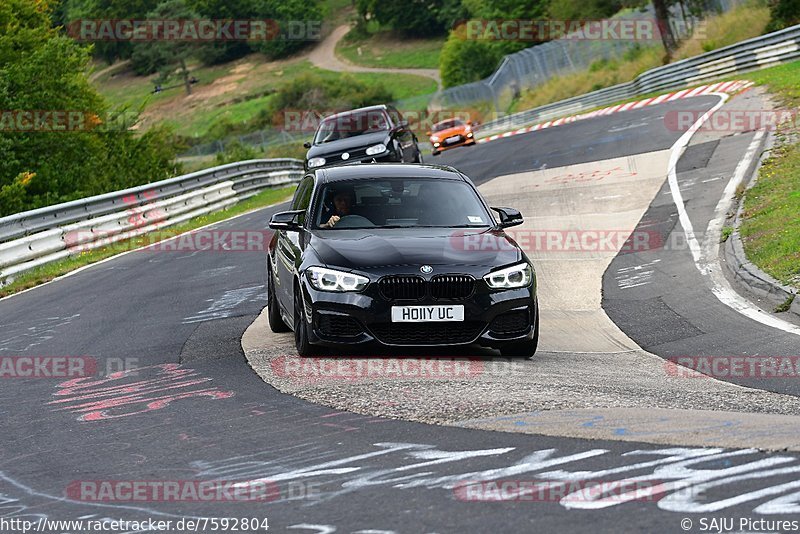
(304, 348)
(524, 349)
(276, 322)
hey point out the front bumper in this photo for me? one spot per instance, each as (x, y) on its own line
(491, 319)
(441, 146)
(386, 157)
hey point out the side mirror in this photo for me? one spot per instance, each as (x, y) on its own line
(469, 123)
(286, 220)
(428, 133)
(509, 217)
(307, 144)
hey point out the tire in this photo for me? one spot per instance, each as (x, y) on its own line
(276, 322)
(304, 348)
(524, 349)
(435, 153)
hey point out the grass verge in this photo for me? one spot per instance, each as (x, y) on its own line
(383, 49)
(770, 226)
(234, 93)
(48, 272)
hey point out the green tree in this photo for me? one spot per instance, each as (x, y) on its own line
(165, 56)
(74, 10)
(468, 58)
(40, 69)
(784, 13)
(299, 22)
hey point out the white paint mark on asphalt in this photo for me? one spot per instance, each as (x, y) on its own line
(61, 499)
(706, 258)
(675, 479)
(22, 336)
(223, 307)
(635, 276)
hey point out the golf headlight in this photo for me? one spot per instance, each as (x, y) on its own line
(434, 138)
(331, 280)
(376, 149)
(511, 277)
(316, 162)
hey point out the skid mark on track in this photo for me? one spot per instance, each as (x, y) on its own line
(134, 392)
(589, 176)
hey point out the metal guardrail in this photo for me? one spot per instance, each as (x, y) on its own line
(37, 237)
(752, 54)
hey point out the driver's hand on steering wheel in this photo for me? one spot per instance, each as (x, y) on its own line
(331, 222)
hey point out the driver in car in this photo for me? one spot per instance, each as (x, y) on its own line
(343, 205)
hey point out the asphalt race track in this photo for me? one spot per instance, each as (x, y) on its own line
(189, 407)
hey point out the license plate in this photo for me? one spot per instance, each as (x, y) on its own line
(451, 140)
(427, 314)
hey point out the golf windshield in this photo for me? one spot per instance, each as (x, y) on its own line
(400, 203)
(347, 125)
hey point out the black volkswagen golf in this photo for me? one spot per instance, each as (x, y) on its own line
(378, 133)
(399, 255)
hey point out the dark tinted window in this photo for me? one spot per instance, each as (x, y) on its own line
(447, 124)
(302, 196)
(347, 125)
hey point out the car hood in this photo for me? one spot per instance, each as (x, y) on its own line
(347, 144)
(457, 130)
(378, 249)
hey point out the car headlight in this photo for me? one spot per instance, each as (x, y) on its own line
(434, 138)
(332, 280)
(316, 162)
(376, 149)
(511, 277)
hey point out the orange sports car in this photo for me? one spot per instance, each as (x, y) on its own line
(451, 133)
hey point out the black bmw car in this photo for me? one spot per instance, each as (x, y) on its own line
(399, 255)
(376, 133)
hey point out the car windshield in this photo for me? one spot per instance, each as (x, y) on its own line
(446, 125)
(399, 203)
(346, 125)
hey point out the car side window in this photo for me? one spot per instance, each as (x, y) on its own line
(395, 116)
(302, 197)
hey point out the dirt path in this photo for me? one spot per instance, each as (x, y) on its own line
(94, 76)
(324, 56)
